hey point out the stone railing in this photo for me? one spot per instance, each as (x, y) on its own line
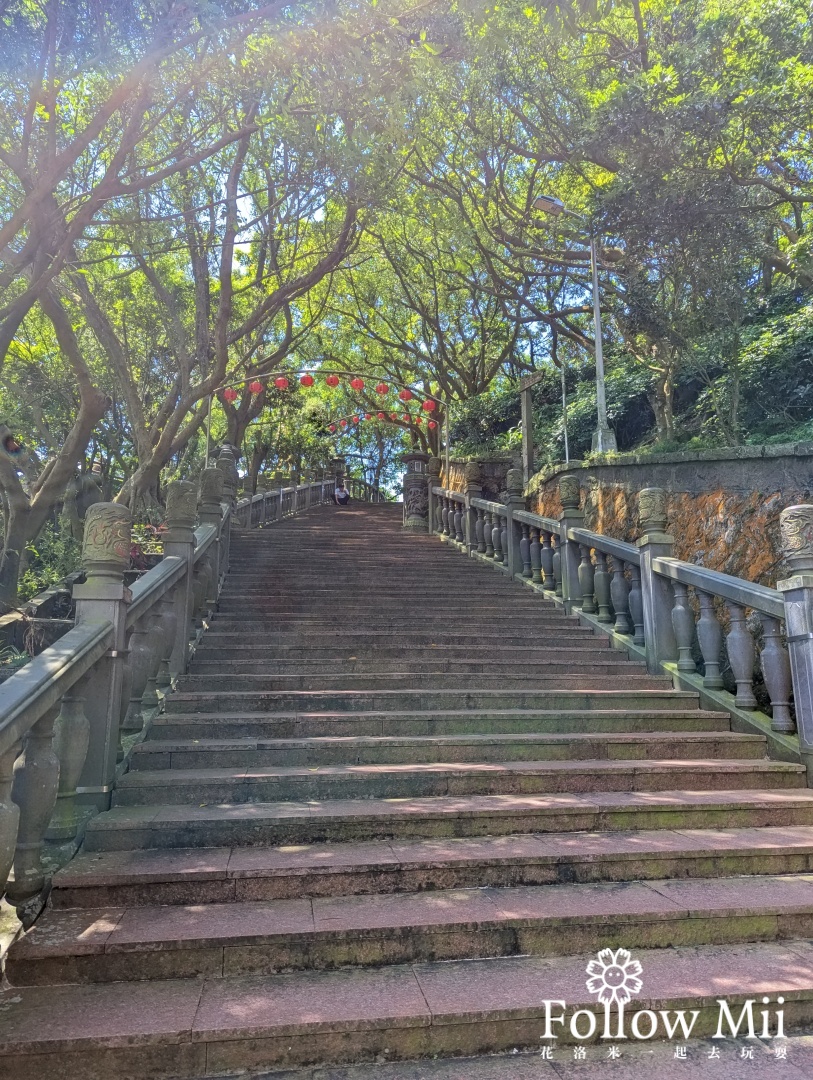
(681, 618)
(70, 715)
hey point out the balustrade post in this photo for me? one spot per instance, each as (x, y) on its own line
(210, 512)
(496, 538)
(513, 534)
(683, 626)
(741, 656)
(525, 551)
(620, 594)
(776, 672)
(546, 559)
(556, 562)
(587, 578)
(636, 604)
(34, 790)
(104, 598)
(474, 490)
(572, 517)
(433, 467)
(710, 637)
(601, 585)
(656, 594)
(488, 533)
(70, 746)
(179, 540)
(9, 813)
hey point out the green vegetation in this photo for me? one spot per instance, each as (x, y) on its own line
(199, 197)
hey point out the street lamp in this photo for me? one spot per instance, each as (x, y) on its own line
(603, 436)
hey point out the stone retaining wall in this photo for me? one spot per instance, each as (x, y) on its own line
(723, 505)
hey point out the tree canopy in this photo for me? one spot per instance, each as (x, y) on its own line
(199, 198)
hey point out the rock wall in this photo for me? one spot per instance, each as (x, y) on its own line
(723, 506)
(493, 471)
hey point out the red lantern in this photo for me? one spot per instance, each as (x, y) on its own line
(255, 387)
(357, 383)
(355, 419)
(230, 394)
(332, 380)
(429, 405)
(394, 416)
(432, 424)
(281, 382)
(306, 380)
(405, 395)
(368, 416)
(382, 388)
(381, 416)
(419, 419)
(343, 423)
(332, 427)
(406, 418)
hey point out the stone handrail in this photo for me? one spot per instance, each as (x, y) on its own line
(683, 619)
(69, 717)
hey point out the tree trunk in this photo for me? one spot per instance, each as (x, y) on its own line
(14, 543)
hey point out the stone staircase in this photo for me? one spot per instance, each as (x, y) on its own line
(396, 805)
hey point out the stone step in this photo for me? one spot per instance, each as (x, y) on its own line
(416, 780)
(607, 663)
(221, 875)
(208, 651)
(263, 937)
(345, 820)
(437, 723)
(245, 752)
(194, 1027)
(341, 637)
(427, 700)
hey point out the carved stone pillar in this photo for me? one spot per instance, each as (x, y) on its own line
(474, 490)
(227, 464)
(416, 500)
(433, 467)
(572, 517)
(656, 594)
(210, 512)
(796, 525)
(515, 501)
(179, 540)
(103, 597)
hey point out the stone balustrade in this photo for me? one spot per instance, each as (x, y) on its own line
(750, 644)
(69, 717)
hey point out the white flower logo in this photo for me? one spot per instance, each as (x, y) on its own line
(614, 976)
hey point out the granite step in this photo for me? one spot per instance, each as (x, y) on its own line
(246, 752)
(295, 725)
(341, 636)
(352, 820)
(263, 937)
(194, 1027)
(415, 780)
(341, 676)
(222, 875)
(209, 651)
(428, 700)
(598, 663)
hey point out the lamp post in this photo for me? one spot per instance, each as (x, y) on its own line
(603, 436)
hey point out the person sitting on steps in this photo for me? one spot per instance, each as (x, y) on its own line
(341, 496)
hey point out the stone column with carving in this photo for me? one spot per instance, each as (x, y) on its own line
(572, 517)
(210, 512)
(103, 597)
(433, 467)
(796, 525)
(179, 539)
(227, 464)
(416, 500)
(656, 593)
(474, 490)
(515, 501)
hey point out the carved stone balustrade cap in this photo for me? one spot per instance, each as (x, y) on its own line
(796, 532)
(106, 542)
(513, 482)
(182, 505)
(570, 492)
(211, 485)
(652, 509)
